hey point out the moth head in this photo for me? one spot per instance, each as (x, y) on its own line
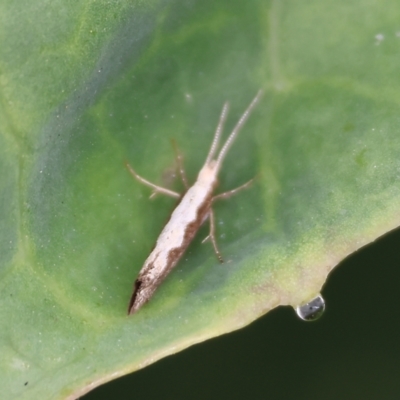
(208, 174)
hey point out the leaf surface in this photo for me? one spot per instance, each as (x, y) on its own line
(86, 86)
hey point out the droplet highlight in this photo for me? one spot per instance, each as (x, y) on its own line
(312, 310)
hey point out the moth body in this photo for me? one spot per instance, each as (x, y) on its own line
(192, 211)
(185, 220)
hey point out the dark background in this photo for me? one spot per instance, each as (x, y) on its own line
(352, 352)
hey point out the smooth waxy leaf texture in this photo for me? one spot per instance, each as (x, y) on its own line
(88, 85)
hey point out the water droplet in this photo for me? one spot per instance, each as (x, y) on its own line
(312, 310)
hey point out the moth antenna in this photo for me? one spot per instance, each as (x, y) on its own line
(236, 130)
(218, 132)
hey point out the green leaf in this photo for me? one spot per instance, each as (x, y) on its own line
(88, 85)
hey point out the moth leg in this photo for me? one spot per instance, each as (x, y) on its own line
(211, 236)
(156, 188)
(232, 192)
(179, 163)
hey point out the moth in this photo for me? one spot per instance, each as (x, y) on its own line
(193, 209)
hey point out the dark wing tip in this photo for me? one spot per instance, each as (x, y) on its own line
(133, 307)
